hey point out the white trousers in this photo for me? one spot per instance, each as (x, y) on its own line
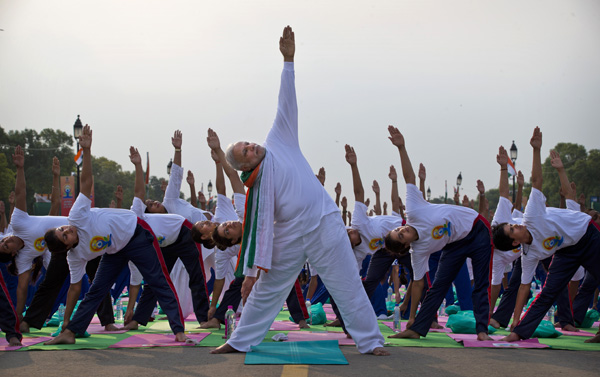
(328, 249)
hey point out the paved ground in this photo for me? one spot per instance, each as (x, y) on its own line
(405, 361)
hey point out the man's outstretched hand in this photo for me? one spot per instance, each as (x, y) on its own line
(287, 44)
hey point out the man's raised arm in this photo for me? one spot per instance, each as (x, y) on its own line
(398, 140)
(359, 191)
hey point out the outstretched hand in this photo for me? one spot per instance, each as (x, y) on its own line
(344, 202)
(375, 187)
(393, 175)
(177, 139)
(134, 156)
(213, 140)
(85, 140)
(19, 157)
(395, 136)
(190, 178)
(55, 166)
(480, 187)
(321, 176)
(555, 160)
(520, 178)
(350, 155)
(502, 157)
(338, 188)
(536, 139)
(287, 44)
(214, 156)
(422, 172)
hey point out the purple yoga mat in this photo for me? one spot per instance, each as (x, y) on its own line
(99, 329)
(284, 326)
(301, 336)
(500, 344)
(25, 342)
(403, 327)
(576, 333)
(156, 340)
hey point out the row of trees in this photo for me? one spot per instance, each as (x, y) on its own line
(40, 147)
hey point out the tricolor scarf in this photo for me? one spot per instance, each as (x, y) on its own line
(257, 240)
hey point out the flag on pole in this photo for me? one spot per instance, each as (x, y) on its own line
(79, 157)
(147, 167)
(511, 168)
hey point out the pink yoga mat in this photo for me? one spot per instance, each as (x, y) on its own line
(99, 329)
(403, 327)
(284, 326)
(470, 340)
(301, 336)
(156, 340)
(25, 342)
(95, 319)
(576, 333)
(330, 316)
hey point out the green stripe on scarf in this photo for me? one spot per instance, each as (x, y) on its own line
(250, 224)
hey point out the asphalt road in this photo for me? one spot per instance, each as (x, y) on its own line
(404, 361)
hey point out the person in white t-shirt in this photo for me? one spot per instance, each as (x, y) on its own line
(460, 233)
(119, 236)
(571, 236)
(174, 237)
(295, 220)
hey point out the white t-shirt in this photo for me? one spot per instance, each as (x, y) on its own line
(503, 259)
(300, 199)
(551, 229)
(166, 226)
(135, 276)
(31, 230)
(100, 231)
(436, 224)
(225, 260)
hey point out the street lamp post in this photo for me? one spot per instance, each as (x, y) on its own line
(513, 157)
(77, 130)
(209, 188)
(428, 194)
(458, 182)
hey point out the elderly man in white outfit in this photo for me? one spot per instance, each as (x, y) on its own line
(305, 224)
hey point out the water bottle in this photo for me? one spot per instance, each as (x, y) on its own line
(229, 322)
(442, 311)
(119, 313)
(61, 312)
(396, 318)
(309, 310)
(390, 293)
(551, 314)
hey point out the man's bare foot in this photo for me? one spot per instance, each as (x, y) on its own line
(111, 327)
(593, 339)
(435, 325)
(65, 337)
(348, 335)
(180, 337)
(406, 334)
(24, 327)
(495, 324)
(380, 351)
(224, 348)
(133, 325)
(569, 327)
(334, 323)
(303, 324)
(483, 336)
(212, 323)
(14, 342)
(512, 337)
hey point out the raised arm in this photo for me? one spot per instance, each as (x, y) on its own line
(192, 183)
(520, 184)
(338, 192)
(119, 197)
(536, 167)
(234, 179)
(55, 198)
(398, 140)
(565, 185)
(3, 221)
(20, 185)
(139, 187)
(482, 207)
(396, 202)
(377, 208)
(86, 179)
(177, 140)
(359, 191)
(345, 211)
(422, 176)
(220, 181)
(502, 160)
(321, 176)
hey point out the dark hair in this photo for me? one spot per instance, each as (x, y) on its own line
(197, 237)
(501, 240)
(53, 243)
(394, 246)
(222, 242)
(5, 258)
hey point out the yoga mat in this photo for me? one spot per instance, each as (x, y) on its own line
(284, 326)
(156, 340)
(330, 316)
(25, 343)
(96, 342)
(576, 333)
(572, 343)
(162, 326)
(403, 327)
(499, 344)
(99, 329)
(324, 352)
(432, 340)
(303, 336)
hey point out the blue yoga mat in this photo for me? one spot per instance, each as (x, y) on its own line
(311, 352)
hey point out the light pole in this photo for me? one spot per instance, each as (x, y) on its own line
(428, 194)
(77, 130)
(209, 188)
(513, 157)
(458, 182)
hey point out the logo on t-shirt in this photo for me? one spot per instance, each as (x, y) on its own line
(551, 242)
(160, 239)
(39, 244)
(439, 231)
(376, 244)
(100, 243)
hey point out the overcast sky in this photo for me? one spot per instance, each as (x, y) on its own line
(458, 78)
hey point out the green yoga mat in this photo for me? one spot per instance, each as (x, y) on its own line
(572, 343)
(94, 342)
(322, 352)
